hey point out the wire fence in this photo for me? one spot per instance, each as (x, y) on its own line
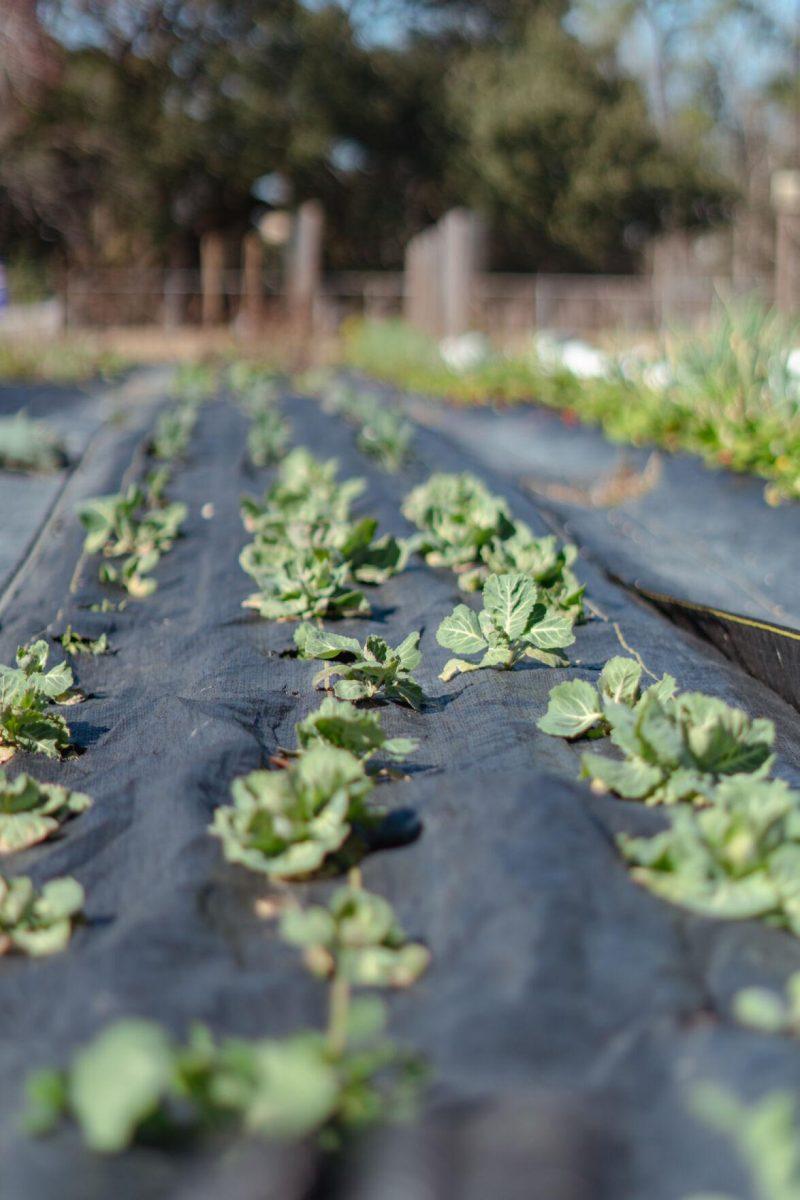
(502, 305)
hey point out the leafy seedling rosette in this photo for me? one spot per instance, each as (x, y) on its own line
(374, 670)
(513, 624)
(738, 858)
(121, 526)
(27, 445)
(285, 824)
(32, 812)
(676, 747)
(464, 527)
(38, 923)
(26, 692)
(342, 725)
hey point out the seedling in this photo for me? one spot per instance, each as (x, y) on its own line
(38, 923)
(513, 624)
(544, 560)
(134, 1079)
(577, 709)
(306, 491)
(352, 544)
(372, 670)
(678, 749)
(457, 516)
(173, 431)
(27, 445)
(306, 583)
(340, 724)
(737, 859)
(465, 527)
(357, 938)
(25, 692)
(267, 438)
(75, 643)
(120, 526)
(285, 824)
(32, 812)
(106, 606)
(255, 388)
(195, 382)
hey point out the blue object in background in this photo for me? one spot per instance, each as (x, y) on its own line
(3, 288)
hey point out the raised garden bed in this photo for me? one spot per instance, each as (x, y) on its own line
(566, 1014)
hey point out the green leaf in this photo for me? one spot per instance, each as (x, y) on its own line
(509, 600)
(573, 709)
(461, 631)
(552, 632)
(313, 642)
(633, 779)
(620, 680)
(118, 1081)
(295, 1088)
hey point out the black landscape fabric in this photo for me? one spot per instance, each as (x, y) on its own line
(662, 521)
(566, 1014)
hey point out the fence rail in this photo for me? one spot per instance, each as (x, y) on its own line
(502, 305)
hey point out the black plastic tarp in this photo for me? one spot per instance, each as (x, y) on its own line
(701, 535)
(566, 1013)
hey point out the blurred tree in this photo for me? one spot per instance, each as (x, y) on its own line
(565, 156)
(162, 114)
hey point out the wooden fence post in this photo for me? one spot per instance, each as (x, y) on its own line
(304, 272)
(212, 272)
(251, 310)
(460, 255)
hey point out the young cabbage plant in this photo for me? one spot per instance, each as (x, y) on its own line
(368, 559)
(27, 445)
(155, 485)
(513, 624)
(173, 432)
(357, 937)
(544, 560)
(31, 675)
(369, 671)
(678, 748)
(340, 724)
(285, 824)
(195, 382)
(120, 526)
(735, 860)
(386, 436)
(26, 690)
(306, 491)
(32, 812)
(34, 922)
(255, 388)
(456, 516)
(134, 1080)
(267, 438)
(305, 583)
(75, 643)
(576, 708)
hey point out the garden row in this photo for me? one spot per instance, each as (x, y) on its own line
(314, 812)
